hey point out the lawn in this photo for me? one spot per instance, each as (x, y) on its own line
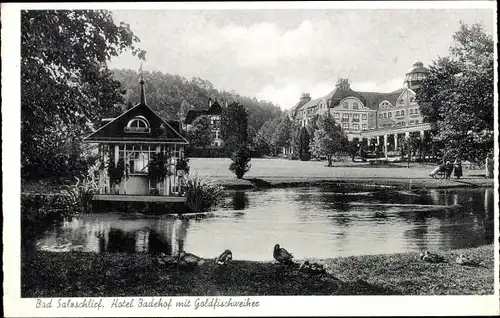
(104, 275)
(282, 172)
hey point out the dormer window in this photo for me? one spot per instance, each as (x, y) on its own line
(138, 124)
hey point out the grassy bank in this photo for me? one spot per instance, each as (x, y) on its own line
(104, 275)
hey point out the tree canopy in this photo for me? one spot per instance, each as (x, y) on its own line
(200, 135)
(65, 82)
(458, 97)
(329, 139)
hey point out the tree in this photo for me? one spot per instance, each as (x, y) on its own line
(65, 83)
(234, 126)
(200, 135)
(457, 97)
(234, 131)
(304, 153)
(284, 132)
(241, 157)
(329, 139)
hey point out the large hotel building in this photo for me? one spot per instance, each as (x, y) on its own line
(377, 118)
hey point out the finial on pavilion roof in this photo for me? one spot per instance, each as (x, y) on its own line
(141, 81)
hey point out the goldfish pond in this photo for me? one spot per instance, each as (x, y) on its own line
(312, 222)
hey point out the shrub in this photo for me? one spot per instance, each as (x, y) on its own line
(201, 196)
(240, 165)
(78, 198)
(182, 165)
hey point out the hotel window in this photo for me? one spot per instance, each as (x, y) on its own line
(355, 117)
(390, 114)
(397, 112)
(345, 105)
(336, 115)
(355, 105)
(355, 126)
(380, 116)
(411, 110)
(345, 115)
(402, 112)
(412, 99)
(365, 127)
(401, 101)
(345, 126)
(385, 115)
(365, 117)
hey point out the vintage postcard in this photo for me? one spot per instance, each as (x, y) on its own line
(250, 159)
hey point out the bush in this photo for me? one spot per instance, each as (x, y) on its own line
(200, 196)
(241, 157)
(78, 198)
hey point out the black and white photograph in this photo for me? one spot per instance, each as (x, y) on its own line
(202, 159)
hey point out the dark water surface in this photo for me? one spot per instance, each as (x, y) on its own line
(309, 222)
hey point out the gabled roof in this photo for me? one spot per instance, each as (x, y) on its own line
(114, 131)
(192, 114)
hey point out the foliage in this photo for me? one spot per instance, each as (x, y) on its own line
(201, 196)
(304, 153)
(65, 83)
(200, 135)
(116, 172)
(409, 147)
(182, 165)
(159, 167)
(266, 137)
(329, 139)
(78, 198)
(285, 131)
(171, 96)
(234, 127)
(457, 98)
(241, 157)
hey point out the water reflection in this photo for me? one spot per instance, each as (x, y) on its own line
(311, 222)
(240, 200)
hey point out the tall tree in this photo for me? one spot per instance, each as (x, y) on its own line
(200, 135)
(234, 126)
(457, 97)
(234, 131)
(329, 139)
(304, 153)
(65, 83)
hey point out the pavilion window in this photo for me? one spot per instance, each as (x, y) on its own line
(365, 117)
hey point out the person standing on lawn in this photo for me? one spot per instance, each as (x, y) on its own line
(457, 168)
(448, 169)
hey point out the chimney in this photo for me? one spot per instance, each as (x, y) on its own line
(343, 83)
(305, 97)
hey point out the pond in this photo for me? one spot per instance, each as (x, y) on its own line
(310, 222)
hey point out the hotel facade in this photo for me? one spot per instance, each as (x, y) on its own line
(379, 119)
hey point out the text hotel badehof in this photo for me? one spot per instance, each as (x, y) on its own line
(368, 116)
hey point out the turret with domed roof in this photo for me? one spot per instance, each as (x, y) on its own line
(415, 75)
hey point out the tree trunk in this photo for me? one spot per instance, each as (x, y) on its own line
(329, 160)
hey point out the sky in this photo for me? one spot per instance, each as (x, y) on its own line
(276, 55)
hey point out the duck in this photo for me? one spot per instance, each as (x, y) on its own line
(164, 259)
(431, 257)
(282, 255)
(189, 260)
(467, 261)
(225, 258)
